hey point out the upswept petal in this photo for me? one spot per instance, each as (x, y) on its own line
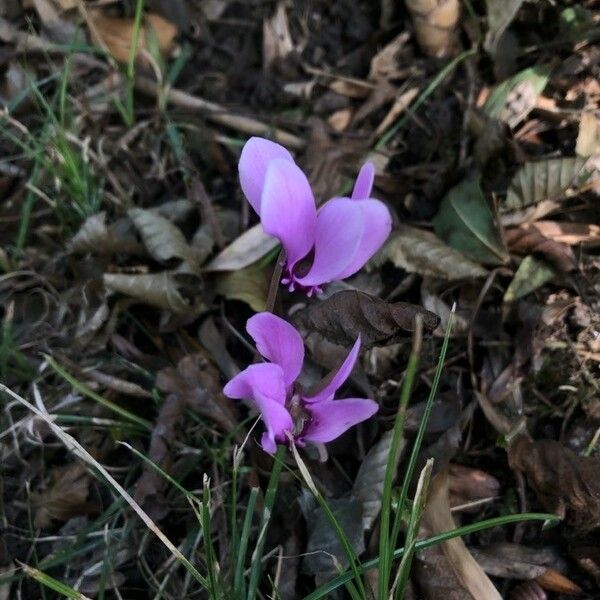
(332, 418)
(377, 226)
(279, 342)
(263, 386)
(256, 155)
(364, 182)
(336, 379)
(339, 231)
(288, 209)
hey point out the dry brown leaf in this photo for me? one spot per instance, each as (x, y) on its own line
(251, 246)
(565, 483)
(466, 484)
(66, 496)
(352, 88)
(180, 293)
(572, 234)
(250, 285)
(95, 237)
(448, 571)
(277, 40)
(554, 581)
(117, 33)
(588, 139)
(340, 119)
(527, 240)
(435, 22)
(346, 315)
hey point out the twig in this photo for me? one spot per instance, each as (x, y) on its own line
(219, 114)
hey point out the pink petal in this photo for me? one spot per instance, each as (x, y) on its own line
(278, 342)
(332, 418)
(263, 386)
(364, 182)
(338, 234)
(288, 209)
(256, 155)
(337, 378)
(377, 226)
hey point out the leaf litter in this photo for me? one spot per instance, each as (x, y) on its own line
(112, 263)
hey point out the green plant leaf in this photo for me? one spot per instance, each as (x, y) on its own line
(513, 99)
(545, 180)
(531, 274)
(500, 13)
(466, 222)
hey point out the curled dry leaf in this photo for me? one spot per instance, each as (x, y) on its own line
(66, 496)
(180, 293)
(448, 571)
(571, 234)
(96, 237)
(528, 240)
(466, 222)
(547, 180)
(419, 251)
(117, 34)
(162, 239)
(349, 314)
(368, 485)
(435, 22)
(565, 483)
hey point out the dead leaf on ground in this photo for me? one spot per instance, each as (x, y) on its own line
(180, 293)
(565, 483)
(466, 484)
(95, 237)
(527, 240)
(419, 251)
(564, 232)
(116, 34)
(532, 274)
(250, 285)
(588, 139)
(448, 571)
(346, 315)
(66, 496)
(277, 40)
(436, 23)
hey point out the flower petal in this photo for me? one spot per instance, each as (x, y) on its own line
(377, 226)
(336, 379)
(256, 155)
(332, 418)
(364, 182)
(263, 386)
(287, 209)
(279, 342)
(338, 234)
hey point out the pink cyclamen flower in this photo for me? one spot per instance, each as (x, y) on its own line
(340, 237)
(285, 409)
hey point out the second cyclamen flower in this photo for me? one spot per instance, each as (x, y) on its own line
(321, 246)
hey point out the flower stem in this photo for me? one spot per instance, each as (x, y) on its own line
(274, 285)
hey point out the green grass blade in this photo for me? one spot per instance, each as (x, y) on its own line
(53, 584)
(240, 555)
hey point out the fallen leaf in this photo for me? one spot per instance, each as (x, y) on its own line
(346, 315)
(500, 14)
(513, 99)
(565, 483)
(466, 222)
(66, 496)
(527, 240)
(546, 180)
(531, 275)
(435, 25)
(588, 139)
(162, 239)
(250, 285)
(419, 251)
(277, 40)
(251, 246)
(368, 485)
(448, 571)
(324, 551)
(180, 293)
(572, 234)
(116, 34)
(466, 484)
(95, 237)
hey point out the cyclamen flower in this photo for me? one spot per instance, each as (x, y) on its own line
(284, 407)
(341, 237)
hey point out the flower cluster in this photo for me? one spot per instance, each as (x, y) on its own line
(323, 245)
(286, 409)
